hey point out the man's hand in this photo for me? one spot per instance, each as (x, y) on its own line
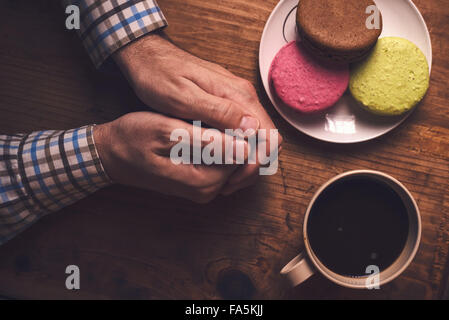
(179, 84)
(135, 151)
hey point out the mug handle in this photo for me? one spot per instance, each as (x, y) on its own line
(298, 270)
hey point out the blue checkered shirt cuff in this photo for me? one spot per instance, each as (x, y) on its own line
(43, 172)
(108, 25)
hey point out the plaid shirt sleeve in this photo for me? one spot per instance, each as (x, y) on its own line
(43, 172)
(107, 25)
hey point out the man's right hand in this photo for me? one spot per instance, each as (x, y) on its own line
(135, 151)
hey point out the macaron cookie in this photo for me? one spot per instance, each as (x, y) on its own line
(393, 79)
(303, 83)
(336, 30)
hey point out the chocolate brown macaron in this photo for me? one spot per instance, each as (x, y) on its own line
(336, 30)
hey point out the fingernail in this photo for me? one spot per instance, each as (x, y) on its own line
(249, 123)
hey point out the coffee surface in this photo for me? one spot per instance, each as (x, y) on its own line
(357, 222)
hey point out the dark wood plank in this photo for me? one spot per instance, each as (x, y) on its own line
(131, 243)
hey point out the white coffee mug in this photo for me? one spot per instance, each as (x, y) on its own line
(307, 263)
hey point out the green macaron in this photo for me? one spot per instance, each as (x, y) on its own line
(393, 79)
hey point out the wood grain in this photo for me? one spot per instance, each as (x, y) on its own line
(131, 243)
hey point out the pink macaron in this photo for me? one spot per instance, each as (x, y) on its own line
(305, 84)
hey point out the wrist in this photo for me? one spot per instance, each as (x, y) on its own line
(131, 58)
(102, 138)
(147, 45)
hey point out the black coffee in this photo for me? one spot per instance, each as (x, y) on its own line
(357, 222)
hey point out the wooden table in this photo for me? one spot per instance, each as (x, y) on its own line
(136, 244)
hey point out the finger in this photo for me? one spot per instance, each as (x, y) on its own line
(197, 145)
(192, 189)
(215, 67)
(238, 90)
(247, 173)
(242, 91)
(199, 183)
(225, 86)
(220, 113)
(209, 179)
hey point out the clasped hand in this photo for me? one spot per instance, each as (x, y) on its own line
(135, 148)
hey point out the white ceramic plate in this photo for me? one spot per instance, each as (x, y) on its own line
(345, 122)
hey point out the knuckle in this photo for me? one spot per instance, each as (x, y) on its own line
(196, 184)
(198, 181)
(247, 87)
(181, 103)
(162, 133)
(227, 110)
(224, 70)
(205, 195)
